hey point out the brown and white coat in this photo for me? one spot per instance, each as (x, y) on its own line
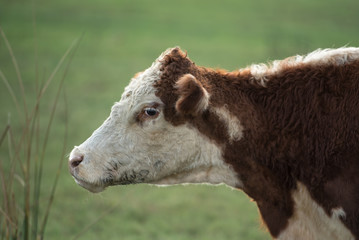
(286, 133)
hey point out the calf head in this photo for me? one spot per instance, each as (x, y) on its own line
(149, 138)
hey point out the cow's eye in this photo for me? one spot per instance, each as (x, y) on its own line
(151, 112)
(148, 113)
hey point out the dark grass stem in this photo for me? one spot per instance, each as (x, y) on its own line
(6, 212)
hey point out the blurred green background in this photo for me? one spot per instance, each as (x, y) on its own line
(122, 37)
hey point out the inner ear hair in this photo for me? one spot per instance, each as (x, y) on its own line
(193, 97)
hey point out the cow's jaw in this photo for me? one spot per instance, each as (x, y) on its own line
(193, 158)
(206, 166)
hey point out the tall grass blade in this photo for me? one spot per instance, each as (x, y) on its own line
(9, 208)
(4, 133)
(11, 91)
(35, 204)
(59, 64)
(52, 195)
(17, 70)
(6, 199)
(12, 175)
(3, 181)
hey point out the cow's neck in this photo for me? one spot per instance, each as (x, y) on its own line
(231, 91)
(286, 205)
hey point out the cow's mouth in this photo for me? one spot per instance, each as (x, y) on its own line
(94, 188)
(127, 177)
(99, 187)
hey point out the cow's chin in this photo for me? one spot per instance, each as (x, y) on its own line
(94, 188)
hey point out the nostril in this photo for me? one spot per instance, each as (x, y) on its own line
(75, 161)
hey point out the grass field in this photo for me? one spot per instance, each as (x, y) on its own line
(122, 37)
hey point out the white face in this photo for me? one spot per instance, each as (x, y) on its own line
(137, 145)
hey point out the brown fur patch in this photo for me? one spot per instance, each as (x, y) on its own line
(303, 126)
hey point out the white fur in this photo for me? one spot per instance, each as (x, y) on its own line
(338, 213)
(339, 56)
(234, 126)
(207, 165)
(204, 102)
(310, 222)
(153, 152)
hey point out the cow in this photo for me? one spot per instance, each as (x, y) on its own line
(286, 133)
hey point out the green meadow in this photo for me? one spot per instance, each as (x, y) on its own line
(116, 39)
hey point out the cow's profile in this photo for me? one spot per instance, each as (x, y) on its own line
(286, 133)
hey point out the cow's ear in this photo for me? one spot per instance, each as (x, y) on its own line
(193, 97)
